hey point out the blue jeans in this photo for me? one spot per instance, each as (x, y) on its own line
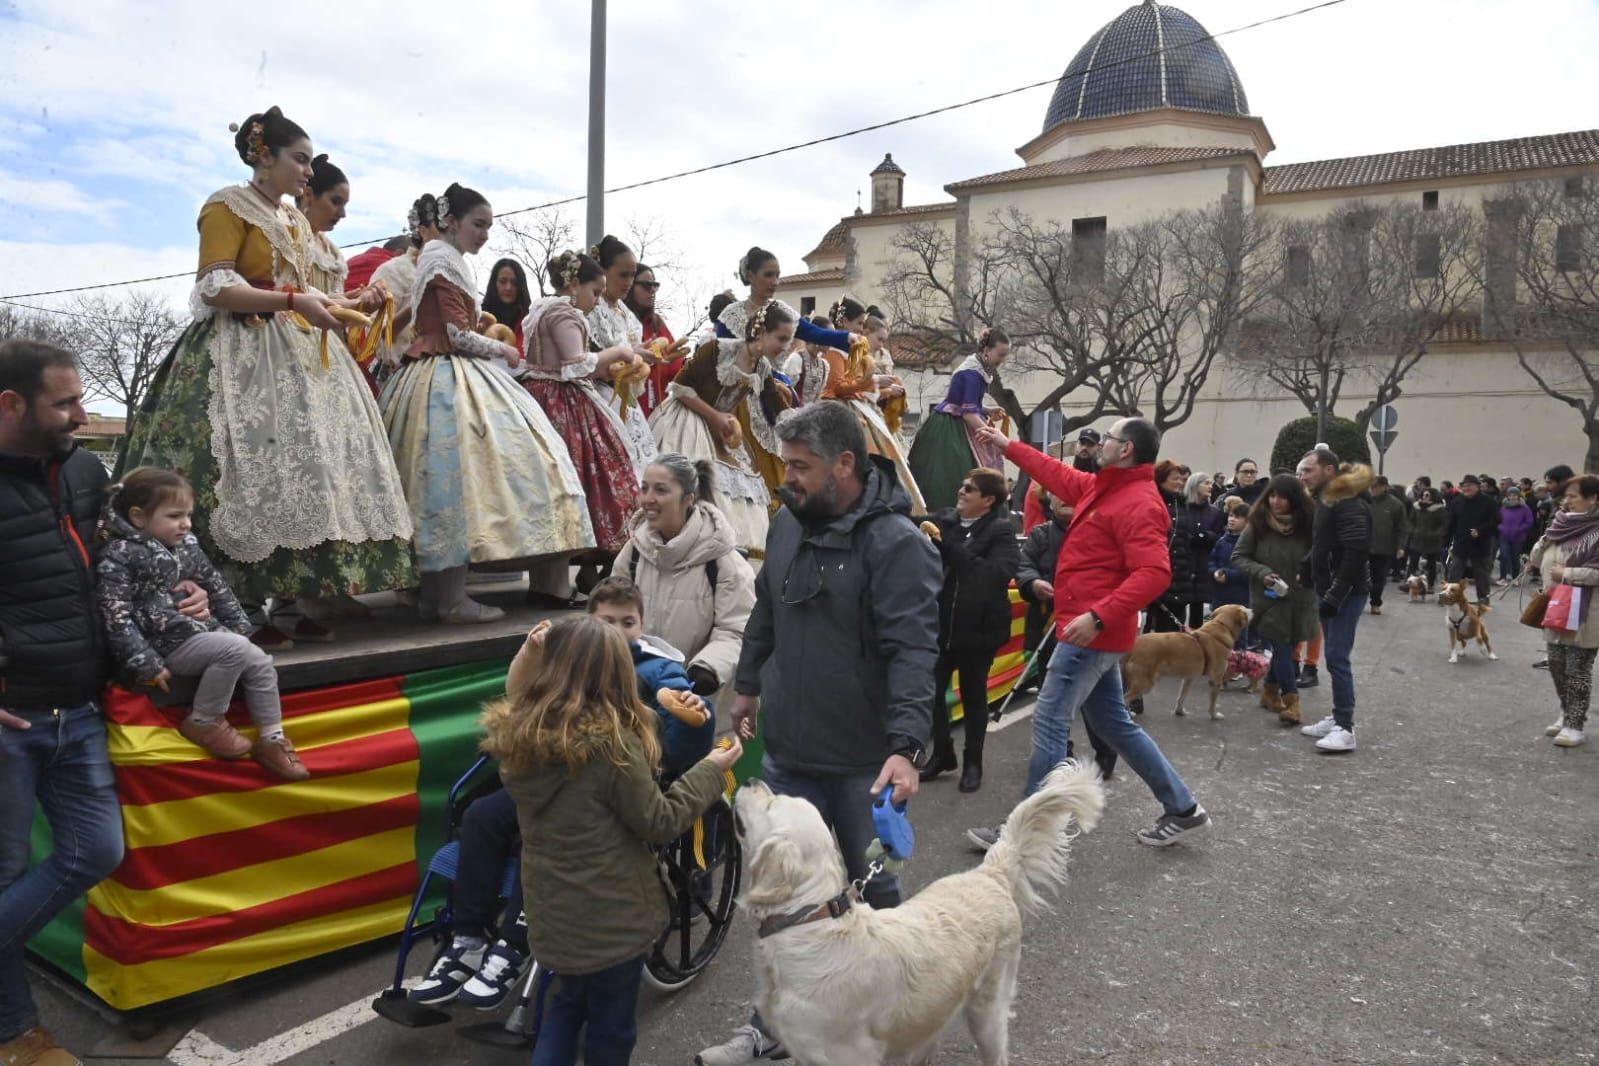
(60, 764)
(1283, 674)
(490, 838)
(1092, 680)
(1338, 636)
(1510, 557)
(602, 1006)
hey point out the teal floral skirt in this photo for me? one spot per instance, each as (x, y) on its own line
(172, 429)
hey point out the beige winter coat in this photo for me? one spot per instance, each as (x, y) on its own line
(679, 605)
(1547, 556)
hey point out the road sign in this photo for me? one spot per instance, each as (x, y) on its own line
(1383, 439)
(1385, 418)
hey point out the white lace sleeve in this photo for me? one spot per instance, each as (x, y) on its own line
(465, 342)
(207, 285)
(681, 392)
(583, 368)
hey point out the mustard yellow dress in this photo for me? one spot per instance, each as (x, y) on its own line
(297, 494)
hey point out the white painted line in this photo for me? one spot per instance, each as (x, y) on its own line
(197, 1049)
(1012, 717)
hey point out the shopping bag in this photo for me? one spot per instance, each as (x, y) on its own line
(1565, 609)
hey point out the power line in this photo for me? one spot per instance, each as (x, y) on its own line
(1054, 80)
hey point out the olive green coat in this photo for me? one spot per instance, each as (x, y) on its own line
(589, 882)
(1293, 618)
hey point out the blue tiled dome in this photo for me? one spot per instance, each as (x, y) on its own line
(1151, 55)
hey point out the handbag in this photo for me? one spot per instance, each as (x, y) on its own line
(1532, 614)
(1565, 609)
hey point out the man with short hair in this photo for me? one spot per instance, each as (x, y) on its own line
(52, 737)
(1337, 569)
(839, 651)
(1113, 564)
(1473, 527)
(1390, 534)
(1089, 444)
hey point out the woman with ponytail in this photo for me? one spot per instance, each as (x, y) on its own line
(262, 408)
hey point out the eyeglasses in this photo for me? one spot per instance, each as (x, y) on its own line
(650, 285)
(1249, 471)
(804, 586)
(967, 486)
(1118, 440)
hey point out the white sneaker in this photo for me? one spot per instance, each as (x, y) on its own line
(1340, 739)
(1551, 730)
(748, 1044)
(1569, 738)
(1321, 728)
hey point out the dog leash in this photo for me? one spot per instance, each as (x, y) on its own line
(829, 910)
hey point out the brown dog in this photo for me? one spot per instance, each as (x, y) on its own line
(1199, 653)
(1465, 621)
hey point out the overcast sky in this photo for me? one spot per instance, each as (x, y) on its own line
(114, 115)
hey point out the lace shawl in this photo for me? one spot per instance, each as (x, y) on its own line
(736, 317)
(285, 229)
(612, 324)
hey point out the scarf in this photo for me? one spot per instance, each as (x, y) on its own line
(1579, 533)
(971, 362)
(1283, 524)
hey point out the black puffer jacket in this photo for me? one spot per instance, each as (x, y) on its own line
(1194, 532)
(50, 633)
(979, 563)
(1341, 538)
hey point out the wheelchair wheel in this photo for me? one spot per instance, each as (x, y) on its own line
(700, 871)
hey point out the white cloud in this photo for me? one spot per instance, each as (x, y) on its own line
(407, 98)
(54, 196)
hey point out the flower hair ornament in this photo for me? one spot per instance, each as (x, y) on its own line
(594, 252)
(744, 268)
(254, 141)
(758, 320)
(568, 265)
(444, 209)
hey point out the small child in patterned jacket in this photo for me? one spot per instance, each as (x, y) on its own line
(150, 550)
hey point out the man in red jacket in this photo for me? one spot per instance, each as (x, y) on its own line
(1114, 563)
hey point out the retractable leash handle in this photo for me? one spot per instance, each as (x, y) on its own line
(893, 826)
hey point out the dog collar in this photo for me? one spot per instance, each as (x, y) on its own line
(836, 907)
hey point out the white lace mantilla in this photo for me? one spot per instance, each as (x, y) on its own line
(612, 324)
(736, 317)
(441, 259)
(328, 269)
(971, 362)
(732, 376)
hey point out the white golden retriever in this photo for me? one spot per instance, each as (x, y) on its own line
(866, 987)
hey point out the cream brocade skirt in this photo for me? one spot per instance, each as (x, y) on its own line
(740, 490)
(487, 477)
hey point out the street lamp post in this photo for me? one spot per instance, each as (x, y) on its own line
(596, 187)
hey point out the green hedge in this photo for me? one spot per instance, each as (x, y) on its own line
(1299, 437)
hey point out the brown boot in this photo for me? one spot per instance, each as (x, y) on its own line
(1271, 698)
(278, 756)
(36, 1047)
(1289, 715)
(219, 738)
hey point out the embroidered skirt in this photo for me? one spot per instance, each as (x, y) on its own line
(488, 478)
(941, 457)
(741, 491)
(603, 462)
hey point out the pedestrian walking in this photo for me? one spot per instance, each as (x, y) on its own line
(1568, 554)
(840, 650)
(1429, 530)
(1390, 534)
(1473, 525)
(977, 544)
(1337, 569)
(1114, 563)
(1275, 540)
(1516, 522)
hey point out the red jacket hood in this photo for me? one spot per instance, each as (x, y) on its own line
(1116, 560)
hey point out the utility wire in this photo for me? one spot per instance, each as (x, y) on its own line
(1055, 80)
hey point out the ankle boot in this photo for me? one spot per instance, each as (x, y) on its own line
(942, 761)
(1289, 714)
(1271, 697)
(971, 774)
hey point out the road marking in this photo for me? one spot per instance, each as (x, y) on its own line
(197, 1049)
(1011, 718)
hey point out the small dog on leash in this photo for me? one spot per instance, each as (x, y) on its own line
(842, 983)
(1465, 621)
(1417, 588)
(1201, 652)
(1250, 666)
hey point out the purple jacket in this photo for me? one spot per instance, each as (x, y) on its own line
(1515, 523)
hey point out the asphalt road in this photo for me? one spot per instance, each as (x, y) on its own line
(1426, 899)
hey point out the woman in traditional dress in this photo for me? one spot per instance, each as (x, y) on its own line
(488, 478)
(612, 324)
(853, 379)
(397, 276)
(297, 496)
(947, 447)
(708, 415)
(560, 373)
(641, 300)
(808, 368)
(508, 298)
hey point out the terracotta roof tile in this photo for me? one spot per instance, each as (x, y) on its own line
(1456, 160)
(915, 209)
(1103, 159)
(834, 241)
(815, 277)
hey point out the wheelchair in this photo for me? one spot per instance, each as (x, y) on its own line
(700, 875)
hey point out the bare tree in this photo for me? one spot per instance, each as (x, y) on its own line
(536, 238)
(121, 342)
(1357, 296)
(1550, 229)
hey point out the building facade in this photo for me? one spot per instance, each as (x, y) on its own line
(1151, 118)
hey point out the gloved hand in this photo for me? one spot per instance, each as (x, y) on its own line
(704, 679)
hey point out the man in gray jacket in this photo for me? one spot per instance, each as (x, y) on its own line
(1390, 536)
(840, 649)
